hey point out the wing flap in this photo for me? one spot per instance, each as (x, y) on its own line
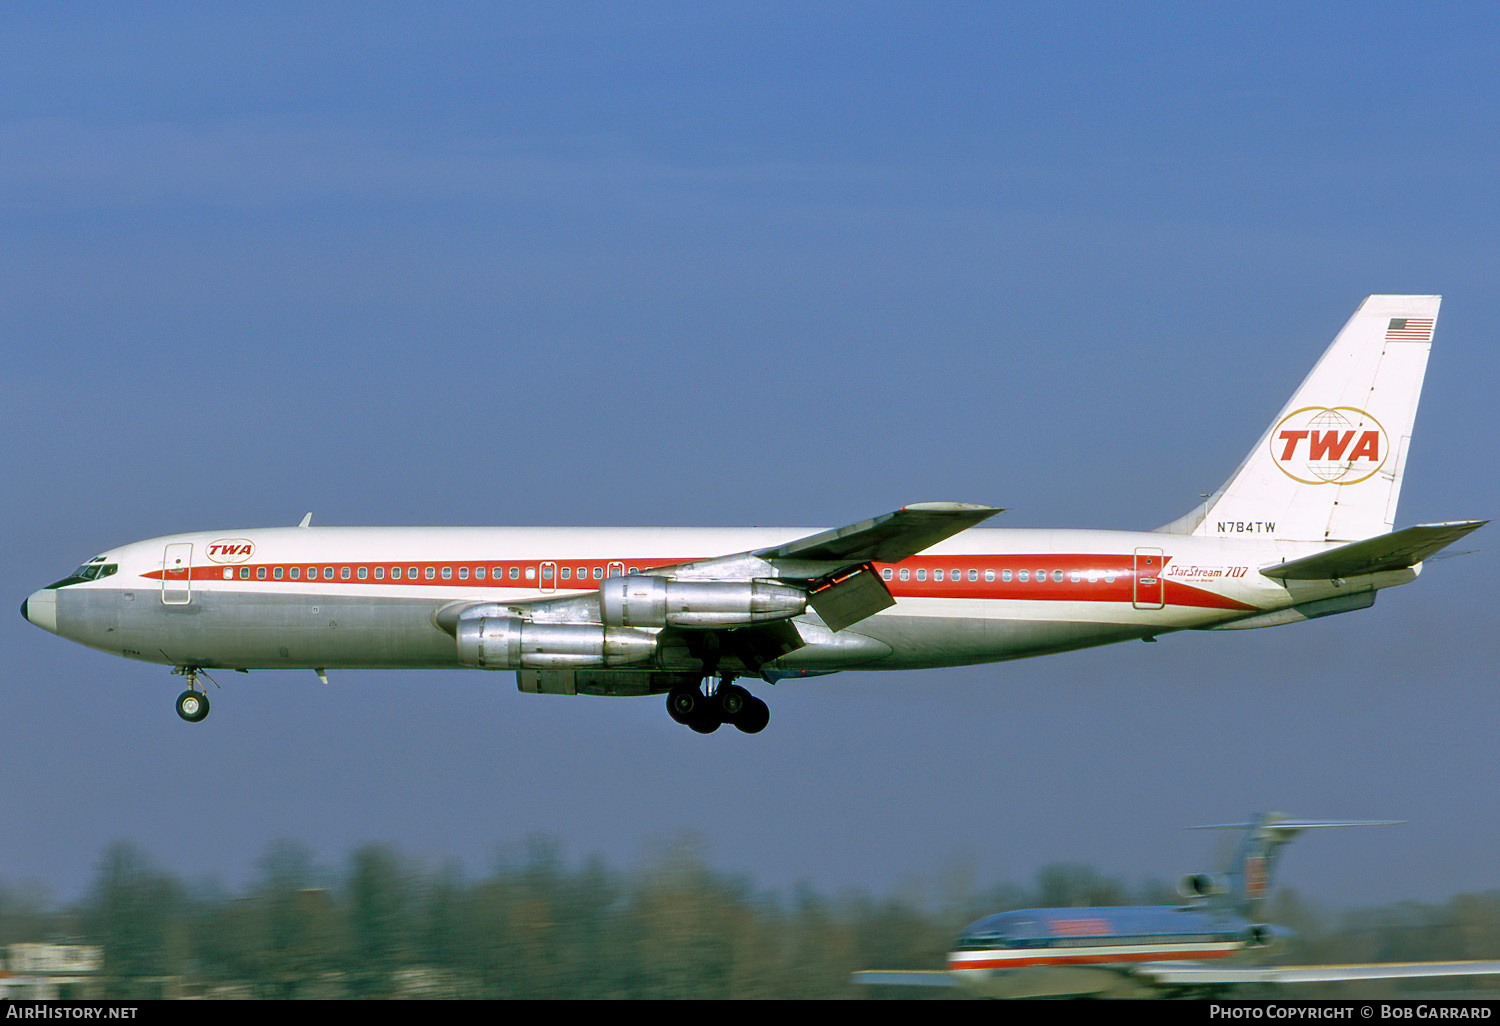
(1398, 550)
(850, 598)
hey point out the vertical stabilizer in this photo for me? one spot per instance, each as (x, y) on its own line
(1248, 879)
(1329, 467)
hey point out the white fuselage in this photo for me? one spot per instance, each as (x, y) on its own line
(922, 586)
(368, 597)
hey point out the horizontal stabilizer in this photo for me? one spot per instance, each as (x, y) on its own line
(1398, 550)
(888, 538)
(1276, 824)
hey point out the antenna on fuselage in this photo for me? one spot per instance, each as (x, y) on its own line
(306, 520)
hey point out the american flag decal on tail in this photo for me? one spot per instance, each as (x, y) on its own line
(1409, 329)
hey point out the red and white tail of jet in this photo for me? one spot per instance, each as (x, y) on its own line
(1329, 467)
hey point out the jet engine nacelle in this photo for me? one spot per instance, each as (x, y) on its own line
(1202, 885)
(509, 643)
(640, 601)
(1260, 936)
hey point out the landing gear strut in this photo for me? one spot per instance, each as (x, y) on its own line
(192, 704)
(727, 703)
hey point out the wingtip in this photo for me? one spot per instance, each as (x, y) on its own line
(951, 507)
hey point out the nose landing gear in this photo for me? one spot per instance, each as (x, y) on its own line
(727, 703)
(192, 704)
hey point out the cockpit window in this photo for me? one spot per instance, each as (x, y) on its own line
(1003, 930)
(979, 939)
(93, 570)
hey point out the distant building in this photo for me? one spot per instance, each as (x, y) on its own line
(50, 972)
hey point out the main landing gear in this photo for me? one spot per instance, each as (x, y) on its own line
(192, 704)
(727, 703)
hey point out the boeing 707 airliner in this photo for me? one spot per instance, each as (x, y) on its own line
(1304, 528)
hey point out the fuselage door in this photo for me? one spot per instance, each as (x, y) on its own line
(549, 576)
(1148, 590)
(177, 574)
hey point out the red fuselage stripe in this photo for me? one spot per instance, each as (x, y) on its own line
(1047, 577)
(1146, 954)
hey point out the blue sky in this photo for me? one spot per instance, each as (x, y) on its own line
(733, 264)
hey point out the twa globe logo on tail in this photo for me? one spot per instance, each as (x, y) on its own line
(1321, 445)
(1348, 423)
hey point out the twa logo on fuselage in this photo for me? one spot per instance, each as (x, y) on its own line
(231, 550)
(1329, 445)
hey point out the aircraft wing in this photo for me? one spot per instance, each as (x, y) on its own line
(836, 566)
(1142, 979)
(903, 978)
(1395, 551)
(1178, 975)
(1036, 981)
(888, 538)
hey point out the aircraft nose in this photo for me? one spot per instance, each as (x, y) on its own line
(41, 609)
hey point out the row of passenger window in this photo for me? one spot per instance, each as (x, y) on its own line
(598, 573)
(1006, 576)
(429, 573)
